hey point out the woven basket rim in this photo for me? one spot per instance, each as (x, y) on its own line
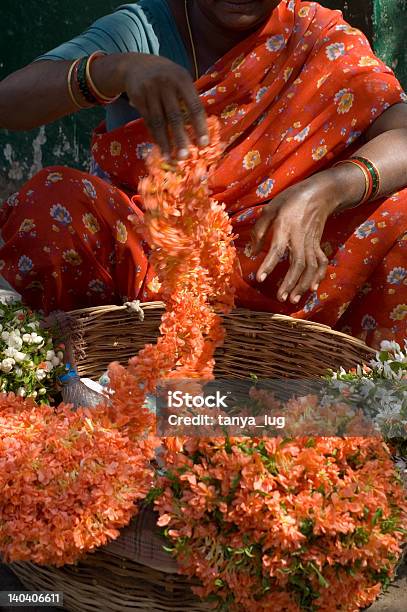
(306, 324)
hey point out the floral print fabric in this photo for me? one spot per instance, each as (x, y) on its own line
(69, 244)
(292, 98)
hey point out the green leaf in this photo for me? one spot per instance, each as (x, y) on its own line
(322, 581)
(307, 527)
(377, 515)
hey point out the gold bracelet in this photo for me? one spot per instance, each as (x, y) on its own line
(70, 90)
(95, 91)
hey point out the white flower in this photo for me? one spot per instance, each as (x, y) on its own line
(37, 339)
(60, 355)
(21, 392)
(386, 345)
(18, 372)
(55, 361)
(5, 336)
(15, 354)
(50, 355)
(49, 366)
(27, 338)
(7, 365)
(1, 327)
(42, 391)
(15, 341)
(33, 325)
(40, 374)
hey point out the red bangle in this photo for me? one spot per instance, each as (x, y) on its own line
(72, 76)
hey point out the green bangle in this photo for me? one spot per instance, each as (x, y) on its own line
(82, 81)
(374, 174)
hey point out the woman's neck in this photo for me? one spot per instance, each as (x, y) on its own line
(210, 40)
(211, 36)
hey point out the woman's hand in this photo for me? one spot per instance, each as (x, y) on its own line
(297, 217)
(165, 96)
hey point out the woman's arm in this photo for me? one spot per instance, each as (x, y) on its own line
(387, 149)
(298, 215)
(156, 86)
(35, 95)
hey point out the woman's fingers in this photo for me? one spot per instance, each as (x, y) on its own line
(298, 216)
(262, 227)
(297, 267)
(275, 253)
(155, 117)
(316, 264)
(165, 96)
(305, 280)
(175, 119)
(196, 114)
(273, 257)
(320, 274)
(167, 120)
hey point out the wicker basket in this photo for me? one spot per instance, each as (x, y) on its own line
(105, 582)
(256, 342)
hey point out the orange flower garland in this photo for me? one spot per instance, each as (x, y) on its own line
(193, 255)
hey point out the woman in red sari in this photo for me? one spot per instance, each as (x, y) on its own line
(295, 88)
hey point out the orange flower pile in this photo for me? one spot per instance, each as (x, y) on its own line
(274, 524)
(68, 480)
(190, 236)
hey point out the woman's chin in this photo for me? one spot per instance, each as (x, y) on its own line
(235, 15)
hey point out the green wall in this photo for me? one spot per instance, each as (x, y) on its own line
(390, 37)
(30, 27)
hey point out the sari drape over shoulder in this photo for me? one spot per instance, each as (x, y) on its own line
(293, 98)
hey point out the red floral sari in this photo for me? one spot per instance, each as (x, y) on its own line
(292, 98)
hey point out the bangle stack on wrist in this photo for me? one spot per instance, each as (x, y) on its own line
(79, 73)
(71, 76)
(371, 174)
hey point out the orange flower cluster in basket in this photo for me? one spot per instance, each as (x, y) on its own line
(191, 239)
(68, 480)
(277, 524)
